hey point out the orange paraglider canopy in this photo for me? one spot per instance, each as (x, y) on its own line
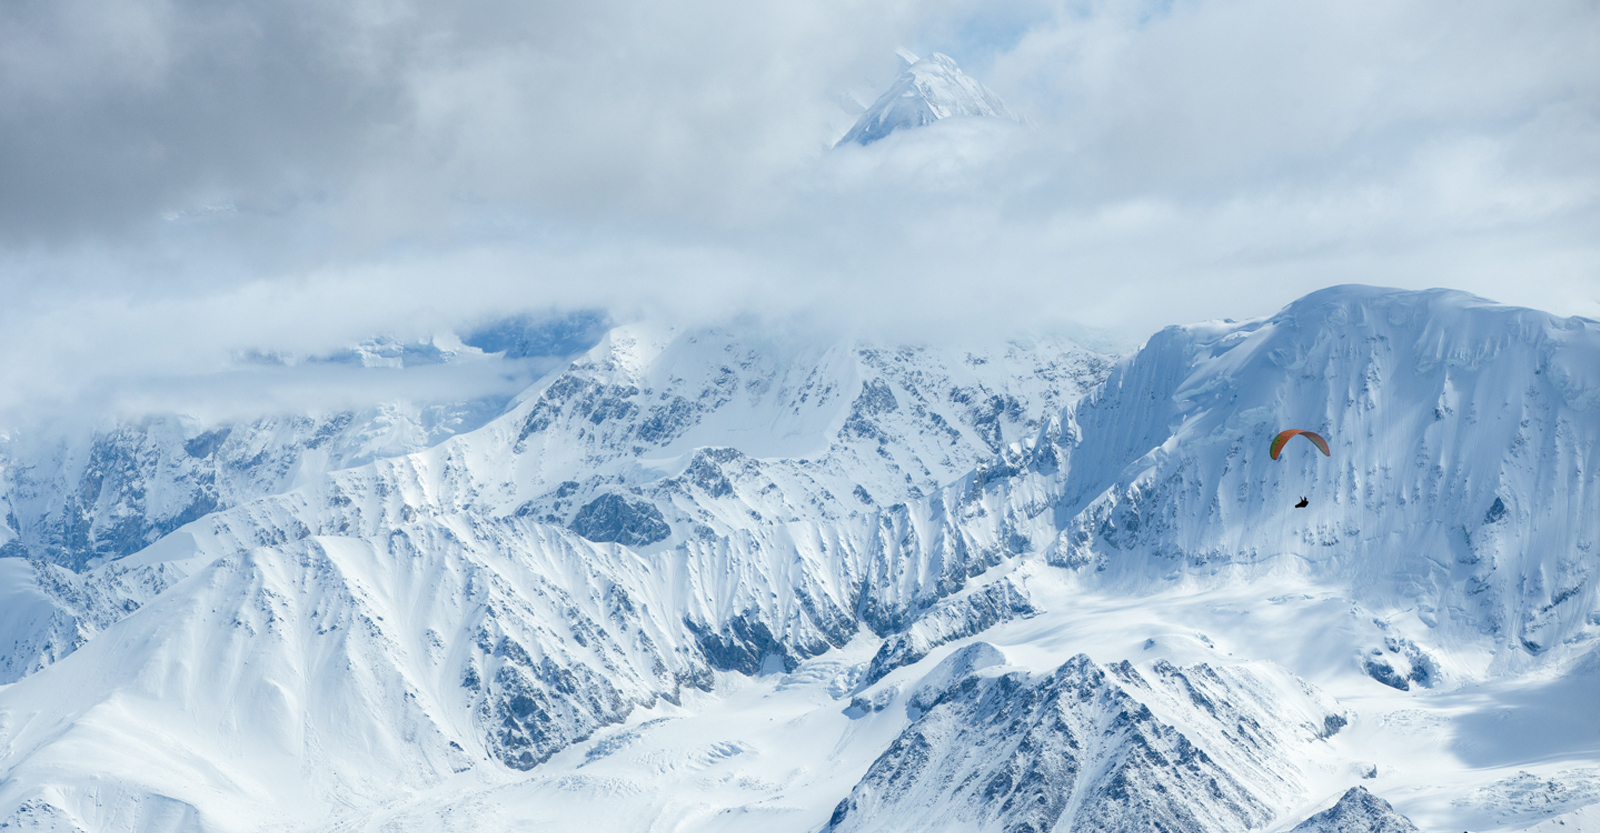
(1314, 437)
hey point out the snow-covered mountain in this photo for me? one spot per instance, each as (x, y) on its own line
(1462, 480)
(706, 425)
(82, 497)
(931, 89)
(1357, 811)
(710, 579)
(92, 493)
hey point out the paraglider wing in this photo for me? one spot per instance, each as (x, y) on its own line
(1315, 438)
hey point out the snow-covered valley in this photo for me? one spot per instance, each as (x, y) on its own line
(721, 580)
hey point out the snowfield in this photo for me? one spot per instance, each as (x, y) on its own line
(716, 580)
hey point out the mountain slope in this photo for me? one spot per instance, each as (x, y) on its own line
(1464, 462)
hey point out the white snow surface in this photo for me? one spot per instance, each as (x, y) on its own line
(702, 581)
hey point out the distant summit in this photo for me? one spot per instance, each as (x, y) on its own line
(931, 89)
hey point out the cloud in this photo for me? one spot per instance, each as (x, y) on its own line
(390, 116)
(180, 181)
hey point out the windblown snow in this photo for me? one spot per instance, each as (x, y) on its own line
(712, 579)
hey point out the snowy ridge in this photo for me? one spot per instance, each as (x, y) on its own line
(931, 89)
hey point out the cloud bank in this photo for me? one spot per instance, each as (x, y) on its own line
(181, 181)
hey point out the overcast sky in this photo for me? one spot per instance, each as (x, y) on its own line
(181, 180)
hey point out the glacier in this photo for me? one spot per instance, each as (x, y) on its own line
(706, 578)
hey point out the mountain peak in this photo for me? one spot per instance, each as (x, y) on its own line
(931, 89)
(1357, 811)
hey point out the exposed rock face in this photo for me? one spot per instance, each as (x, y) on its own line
(614, 518)
(951, 619)
(1358, 811)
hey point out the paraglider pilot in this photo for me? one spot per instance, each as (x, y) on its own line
(1316, 440)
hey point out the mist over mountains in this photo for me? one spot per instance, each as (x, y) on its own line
(182, 183)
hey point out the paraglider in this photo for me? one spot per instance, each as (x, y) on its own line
(1315, 438)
